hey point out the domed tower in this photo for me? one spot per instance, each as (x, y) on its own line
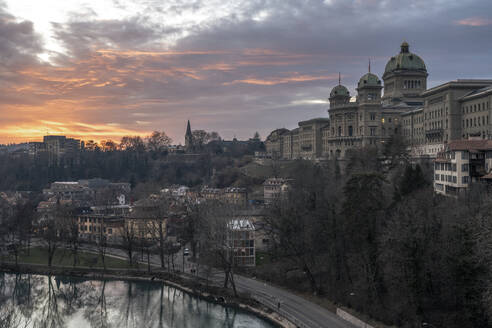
(405, 78)
(339, 96)
(369, 88)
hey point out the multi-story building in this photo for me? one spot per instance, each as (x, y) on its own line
(427, 118)
(273, 188)
(241, 242)
(58, 149)
(460, 164)
(230, 195)
(143, 220)
(88, 192)
(476, 113)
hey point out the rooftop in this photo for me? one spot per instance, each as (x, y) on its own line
(469, 145)
(241, 224)
(479, 92)
(459, 83)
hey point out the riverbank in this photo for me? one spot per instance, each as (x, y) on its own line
(190, 284)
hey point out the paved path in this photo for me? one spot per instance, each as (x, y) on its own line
(302, 312)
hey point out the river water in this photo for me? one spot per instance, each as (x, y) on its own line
(42, 301)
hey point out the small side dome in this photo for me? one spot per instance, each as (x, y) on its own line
(369, 80)
(339, 90)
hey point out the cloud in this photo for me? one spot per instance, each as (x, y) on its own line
(281, 80)
(235, 66)
(474, 21)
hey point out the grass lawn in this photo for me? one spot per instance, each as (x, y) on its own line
(64, 257)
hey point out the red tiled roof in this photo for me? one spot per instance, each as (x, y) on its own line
(470, 145)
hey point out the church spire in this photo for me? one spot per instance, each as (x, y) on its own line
(188, 137)
(188, 128)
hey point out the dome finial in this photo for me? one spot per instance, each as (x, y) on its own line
(369, 65)
(339, 79)
(404, 47)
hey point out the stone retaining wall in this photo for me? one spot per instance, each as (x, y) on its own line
(352, 319)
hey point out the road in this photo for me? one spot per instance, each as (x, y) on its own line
(299, 310)
(302, 312)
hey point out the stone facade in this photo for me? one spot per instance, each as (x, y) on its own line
(428, 119)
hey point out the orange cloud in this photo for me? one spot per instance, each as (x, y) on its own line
(474, 21)
(283, 80)
(79, 95)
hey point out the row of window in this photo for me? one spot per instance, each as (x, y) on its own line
(468, 123)
(452, 155)
(475, 108)
(244, 252)
(95, 229)
(412, 84)
(91, 220)
(244, 243)
(450, 167)
(435, 113)
(450, 178)
(446, 178)
(416, 119)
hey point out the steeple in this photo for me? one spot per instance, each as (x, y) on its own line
(188, 137)
(188, 128)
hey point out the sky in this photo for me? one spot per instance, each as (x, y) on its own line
(102, 69)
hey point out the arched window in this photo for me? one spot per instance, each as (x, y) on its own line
(350, 131)
(339, 130)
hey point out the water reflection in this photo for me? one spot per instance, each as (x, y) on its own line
(42, 301)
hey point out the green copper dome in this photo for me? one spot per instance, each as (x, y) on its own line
(405, 60)
(369, 79)
(339, 90)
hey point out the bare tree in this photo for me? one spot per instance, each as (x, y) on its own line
(102, 245)
(109, 145)
(132, 143)
(215, 245)
(72, 238)
(54, 228)
(129, 239)
(158, 141)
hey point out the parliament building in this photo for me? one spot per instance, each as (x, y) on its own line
(428, 119)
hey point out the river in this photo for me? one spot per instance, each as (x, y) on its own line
(42, 301)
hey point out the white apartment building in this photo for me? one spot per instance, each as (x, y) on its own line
(460, 164)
